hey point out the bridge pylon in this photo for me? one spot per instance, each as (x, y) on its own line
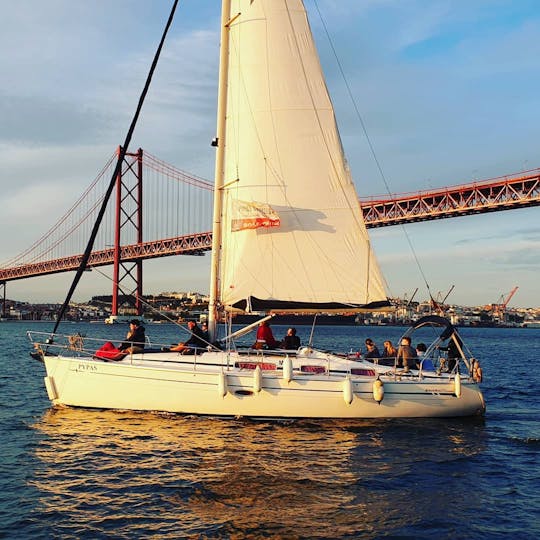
(3, 298)
(128, 275)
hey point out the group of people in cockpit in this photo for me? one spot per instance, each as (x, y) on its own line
(405, 357)
(408, 357)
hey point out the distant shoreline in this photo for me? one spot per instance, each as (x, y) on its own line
(275, 323)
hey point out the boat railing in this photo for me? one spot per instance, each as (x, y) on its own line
(441, 364)
(83, 347)
(80, 346)
(435, 361)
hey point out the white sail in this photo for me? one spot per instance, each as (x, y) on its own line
(293, 235)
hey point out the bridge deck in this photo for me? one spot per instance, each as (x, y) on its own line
(498, 194)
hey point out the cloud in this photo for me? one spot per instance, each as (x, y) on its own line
(43, 121)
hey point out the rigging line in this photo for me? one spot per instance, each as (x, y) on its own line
(370, 144)
(160, 313)
(117, 171)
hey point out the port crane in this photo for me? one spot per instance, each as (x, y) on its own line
(498, 310)
(438, 305)
(404, 305)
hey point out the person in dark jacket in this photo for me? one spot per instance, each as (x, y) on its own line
(291, 341)
(135, 338)
(196, 341)
(372, 353)
(454, 351)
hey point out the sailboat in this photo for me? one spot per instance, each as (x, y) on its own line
(288, 236)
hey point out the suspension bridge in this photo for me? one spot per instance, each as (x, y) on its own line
(160, 211)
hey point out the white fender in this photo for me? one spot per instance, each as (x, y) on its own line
(287, 369)
(457, 385)
(378, 390)
(51, 388)
(348, 393)
(257, 379)
(222, 384)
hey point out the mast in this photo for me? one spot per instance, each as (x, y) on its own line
(219, 169)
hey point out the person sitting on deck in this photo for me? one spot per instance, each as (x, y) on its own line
(372, 353)
(389, 354)
(135, 339)
(134, 343)
(406, 356)
(205, 334)
(291, 341)
(265, 338)
(196, 341)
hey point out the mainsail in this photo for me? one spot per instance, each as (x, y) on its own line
(293, 236)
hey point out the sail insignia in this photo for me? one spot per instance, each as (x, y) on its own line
(252, 215)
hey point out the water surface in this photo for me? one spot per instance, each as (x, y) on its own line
(77, 473)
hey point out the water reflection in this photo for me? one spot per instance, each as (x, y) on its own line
(141, 474)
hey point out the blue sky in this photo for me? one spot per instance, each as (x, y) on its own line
(448, 92)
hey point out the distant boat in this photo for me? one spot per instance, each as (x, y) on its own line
(288, 237)
(531, 324)
(123, 319)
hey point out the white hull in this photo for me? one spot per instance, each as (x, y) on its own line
(162, 384)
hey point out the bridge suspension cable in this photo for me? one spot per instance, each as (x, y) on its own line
(176, 204)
